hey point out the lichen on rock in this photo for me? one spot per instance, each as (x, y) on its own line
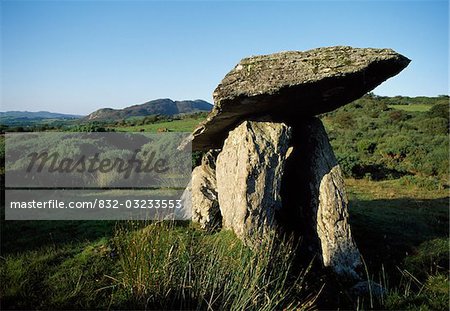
(249, 170)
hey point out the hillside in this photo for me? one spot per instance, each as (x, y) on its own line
(378, 138)
(27, 117)
(396, 167)
(164, 106)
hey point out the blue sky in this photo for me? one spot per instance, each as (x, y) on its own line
(78, 56)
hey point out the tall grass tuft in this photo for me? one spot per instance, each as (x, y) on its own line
(424, 284)
(170, 267)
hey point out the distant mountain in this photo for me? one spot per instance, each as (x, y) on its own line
(25, 118)
(37, 115)
(164, 106)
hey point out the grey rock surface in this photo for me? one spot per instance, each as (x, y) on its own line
(315, 199)
(205, 204)
(249, 170)
(292, 85)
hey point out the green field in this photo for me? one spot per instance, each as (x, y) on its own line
(186, 125)
(412, 108)
(86, 264)
(396, 168)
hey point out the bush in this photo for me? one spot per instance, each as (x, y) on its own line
(349, 164)
(398, 115)
(440, 110)
(366, 146)
(345, 120)
(370, 139)
(435, 126)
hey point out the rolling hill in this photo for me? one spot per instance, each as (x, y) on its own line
(27, 117)
(164, 106)
(37, 115)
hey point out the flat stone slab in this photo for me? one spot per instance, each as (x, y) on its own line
(290, 86)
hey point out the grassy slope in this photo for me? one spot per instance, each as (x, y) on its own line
(390, 219)
(159, 266)
(76, 264)
(412, 108)
(186, 125)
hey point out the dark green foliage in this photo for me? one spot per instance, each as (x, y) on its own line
(398, 115)
(375, 141)
(435, 126)
(425, 279)
(366, 146)
(348, 163)
(89, 127)
(430, 258)
(344, 120)
(197, 158)
(441, 109)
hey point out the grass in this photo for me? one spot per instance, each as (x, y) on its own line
(412, 107)
(70, 276)
(154, 266)
(182, 269)
(401, 230)
(19, 236)
(184, 125)
(400, 227)
(393, 189)
(389, 219)
(424, 283)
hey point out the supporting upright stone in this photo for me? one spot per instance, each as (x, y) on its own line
(249, 170)
(315, 199)
(205, 205)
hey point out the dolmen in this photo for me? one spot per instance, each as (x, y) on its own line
(268, 163)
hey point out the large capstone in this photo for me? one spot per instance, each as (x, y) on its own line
(249, 170)
(293, 85)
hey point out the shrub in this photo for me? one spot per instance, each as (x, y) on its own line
(366, 146)
(349, 164)
(398, 115)
(435, 126)
(345, 120)
(366, 136)
(440, 110)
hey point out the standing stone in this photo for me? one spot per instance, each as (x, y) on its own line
(316, 201)
(249, 170)
(205, 205)
(281, 170)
